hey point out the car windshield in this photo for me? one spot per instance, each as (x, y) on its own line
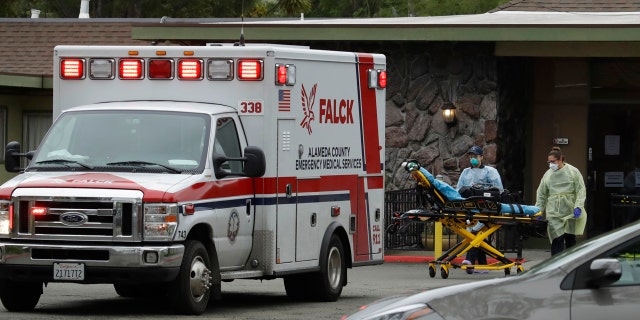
(121, 140)
(572, 254)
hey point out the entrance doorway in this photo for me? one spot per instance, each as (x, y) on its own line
(613, 155)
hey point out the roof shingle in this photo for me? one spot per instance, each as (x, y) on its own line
(27, 47)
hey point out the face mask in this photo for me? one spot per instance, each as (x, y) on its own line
(553, 166)
(475, 162)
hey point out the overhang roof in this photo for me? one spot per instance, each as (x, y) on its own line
(570, 5)
(26, 51)
(498, 26)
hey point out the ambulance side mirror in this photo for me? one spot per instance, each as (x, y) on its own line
(12, 157)
(253, 162)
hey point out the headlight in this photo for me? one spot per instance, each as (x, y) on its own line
(419, 311)
(5, 218)
(160, 221)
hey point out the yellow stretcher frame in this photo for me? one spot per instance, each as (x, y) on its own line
(457, 216)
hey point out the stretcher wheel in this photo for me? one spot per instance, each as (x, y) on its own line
(444, 272)
(432, 270)
(507, 271)
(519, 269)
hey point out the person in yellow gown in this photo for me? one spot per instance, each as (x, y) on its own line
(561, 196)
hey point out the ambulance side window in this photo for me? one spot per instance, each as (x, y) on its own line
(227, 144)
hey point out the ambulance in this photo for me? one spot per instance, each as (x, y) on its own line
(171, 169)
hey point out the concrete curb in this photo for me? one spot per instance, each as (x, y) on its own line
(427, 259)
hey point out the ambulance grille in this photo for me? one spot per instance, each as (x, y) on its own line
(78, 220)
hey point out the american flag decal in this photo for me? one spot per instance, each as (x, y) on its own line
(284, 100)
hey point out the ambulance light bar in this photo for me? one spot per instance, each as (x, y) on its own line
(250, 69)
(102, 68)
(190, 69)
(220, 69)
(72, 69)
(160, 69)
(130, 69)
(285, 74)
(377, 78)
(163, 69)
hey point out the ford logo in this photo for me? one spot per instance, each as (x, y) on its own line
(73, 218)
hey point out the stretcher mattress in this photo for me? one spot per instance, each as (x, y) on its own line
(452, 194)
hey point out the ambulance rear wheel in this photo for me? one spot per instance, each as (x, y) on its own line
(20, 296)
(432, 270)
(328, 283)
(190, 290)
(444, 272)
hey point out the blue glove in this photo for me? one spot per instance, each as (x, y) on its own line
(577, 212)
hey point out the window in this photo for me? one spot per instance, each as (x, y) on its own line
(629, 257)
(35, 126)
(628, 254)
(227, 144)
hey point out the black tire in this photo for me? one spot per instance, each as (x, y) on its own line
(328, 283)
(20, 296)
(190, 291)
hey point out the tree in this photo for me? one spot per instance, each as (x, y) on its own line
(294, 7)
(250, 8)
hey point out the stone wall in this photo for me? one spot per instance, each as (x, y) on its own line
(489, 92)
(421, 78)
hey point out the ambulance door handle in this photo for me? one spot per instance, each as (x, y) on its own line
(248, 208)
(288, 190)
(314, 219)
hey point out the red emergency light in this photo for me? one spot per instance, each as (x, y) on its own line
(285, 74)
(250, 70)
(382, 79)
(130, 69)
(38, 211)
(10, 217)
(282, 74)
(160, 69)
(377, 78)
(190, 69)
(72, 69)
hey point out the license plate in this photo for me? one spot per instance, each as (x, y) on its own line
(68, 271)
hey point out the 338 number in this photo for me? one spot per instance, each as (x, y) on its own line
(250, 107)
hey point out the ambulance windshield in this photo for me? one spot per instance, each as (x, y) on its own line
(139, 141)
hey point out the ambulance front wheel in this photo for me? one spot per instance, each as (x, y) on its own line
(190, 291)
(20, 296)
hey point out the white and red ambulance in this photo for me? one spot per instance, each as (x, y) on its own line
(170, 169)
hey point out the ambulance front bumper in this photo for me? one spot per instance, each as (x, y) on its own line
(101, 264)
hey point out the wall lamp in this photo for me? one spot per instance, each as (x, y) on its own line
(449, 113)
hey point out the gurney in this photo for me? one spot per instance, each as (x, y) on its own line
(456, 213)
